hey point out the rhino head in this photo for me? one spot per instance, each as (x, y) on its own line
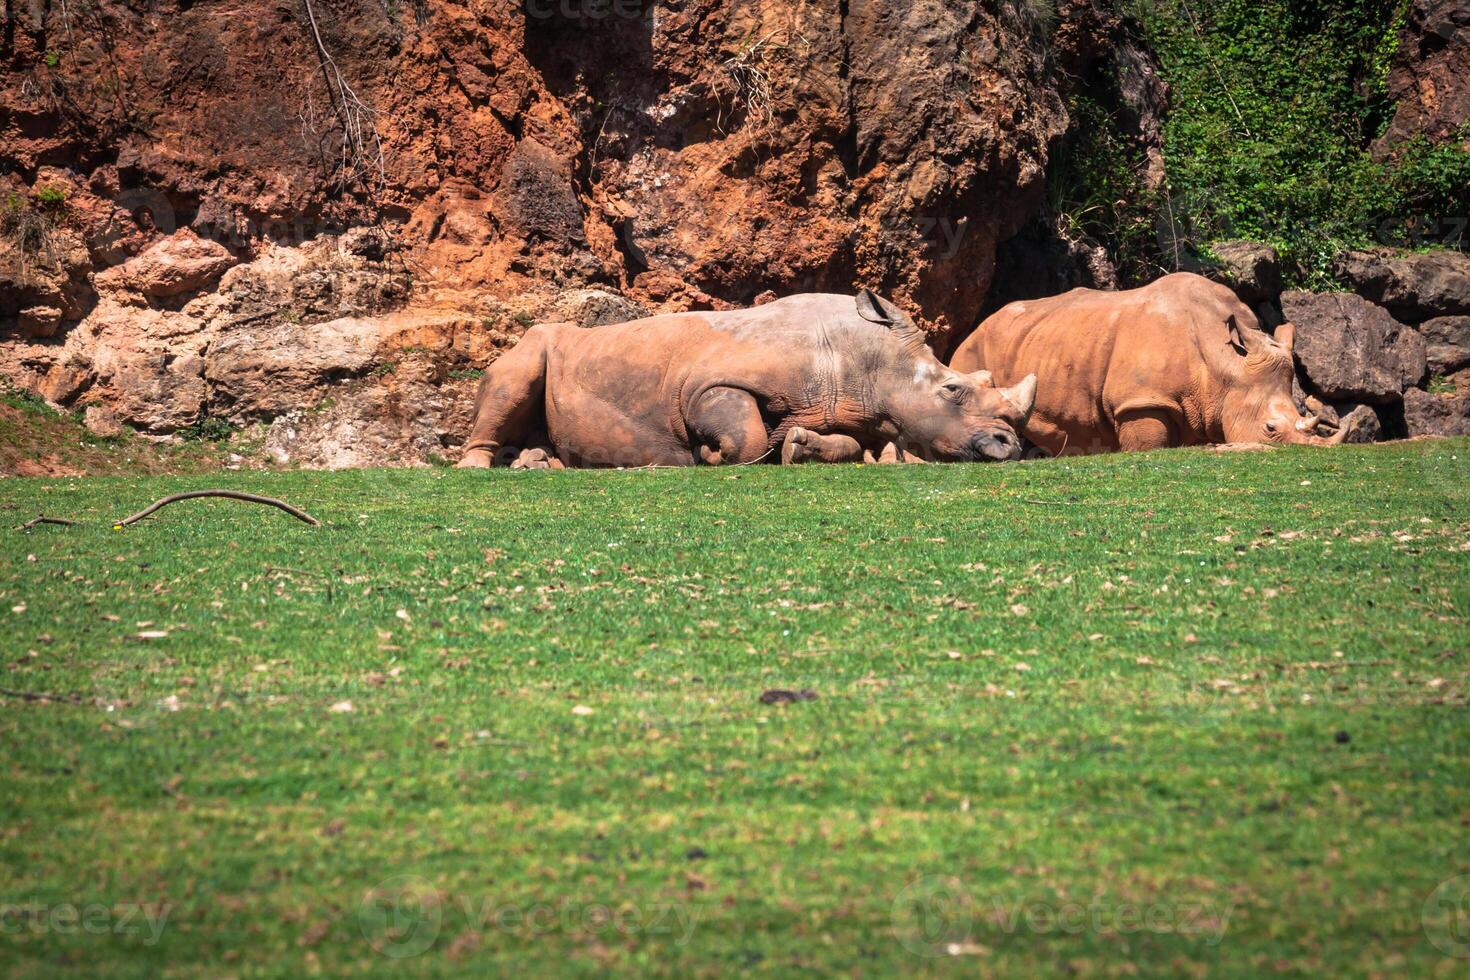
(947, 416)
(934, 412)
(1259, 408)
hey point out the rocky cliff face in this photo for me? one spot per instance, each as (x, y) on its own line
(1430, 79)
(243, 210)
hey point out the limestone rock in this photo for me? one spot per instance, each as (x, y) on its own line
(1429, 82)
(1362, 425)
(596, 308)
(1252, 269)
(182, 263)
(39, 321)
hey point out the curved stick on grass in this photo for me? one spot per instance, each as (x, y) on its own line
(43, 519)
(300, 515)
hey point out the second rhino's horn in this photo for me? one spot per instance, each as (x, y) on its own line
(1022, 395)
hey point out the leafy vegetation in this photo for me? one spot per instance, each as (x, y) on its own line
(208, 428)
(1097, 189)
(1274, 107)
(1175, 713)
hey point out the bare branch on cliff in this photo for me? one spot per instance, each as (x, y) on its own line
(362, 147)
(752, 82)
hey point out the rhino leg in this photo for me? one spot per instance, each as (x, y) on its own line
(725, 426)
(511, 399)
(1143, 429)
(806, 446)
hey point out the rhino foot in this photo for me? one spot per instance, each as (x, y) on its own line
(536, 459)
(805, 446)
(476, 459)
(796, 448)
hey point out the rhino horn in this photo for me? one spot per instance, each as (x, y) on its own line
(1022, 396)
(1286, 336)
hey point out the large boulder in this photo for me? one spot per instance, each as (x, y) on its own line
(1252, 269)
(1447, 343)
(1429, 414)
(1351, 350)
(1415, 286)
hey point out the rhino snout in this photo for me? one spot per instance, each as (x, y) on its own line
(998, 445)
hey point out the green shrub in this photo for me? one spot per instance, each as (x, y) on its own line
(208, 429)
(50, 197)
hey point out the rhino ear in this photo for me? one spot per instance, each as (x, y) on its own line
(1237, 339)
(872, 308)
(1022, 396)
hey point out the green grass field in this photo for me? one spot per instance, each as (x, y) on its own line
(1179, 712)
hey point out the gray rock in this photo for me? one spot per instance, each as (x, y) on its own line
(1252, 269)
(1447, 343)
(1415, 286)
(1362, 425)
(1427, 414)
(596, 308)
(1351, 350)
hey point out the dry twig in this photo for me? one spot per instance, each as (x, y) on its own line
(252, 498)
(43, 519)
(41, 696)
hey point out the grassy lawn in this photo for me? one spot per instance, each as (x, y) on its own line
(1187, 712)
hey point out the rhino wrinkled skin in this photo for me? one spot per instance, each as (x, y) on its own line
(823, 376)
(1179, 362)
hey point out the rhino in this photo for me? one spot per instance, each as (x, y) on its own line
(1179, 362)
(812, 376)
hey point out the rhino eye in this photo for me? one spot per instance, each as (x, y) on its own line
(952, 388)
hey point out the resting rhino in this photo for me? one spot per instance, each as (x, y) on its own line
(1179, 362)
(821, 374)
